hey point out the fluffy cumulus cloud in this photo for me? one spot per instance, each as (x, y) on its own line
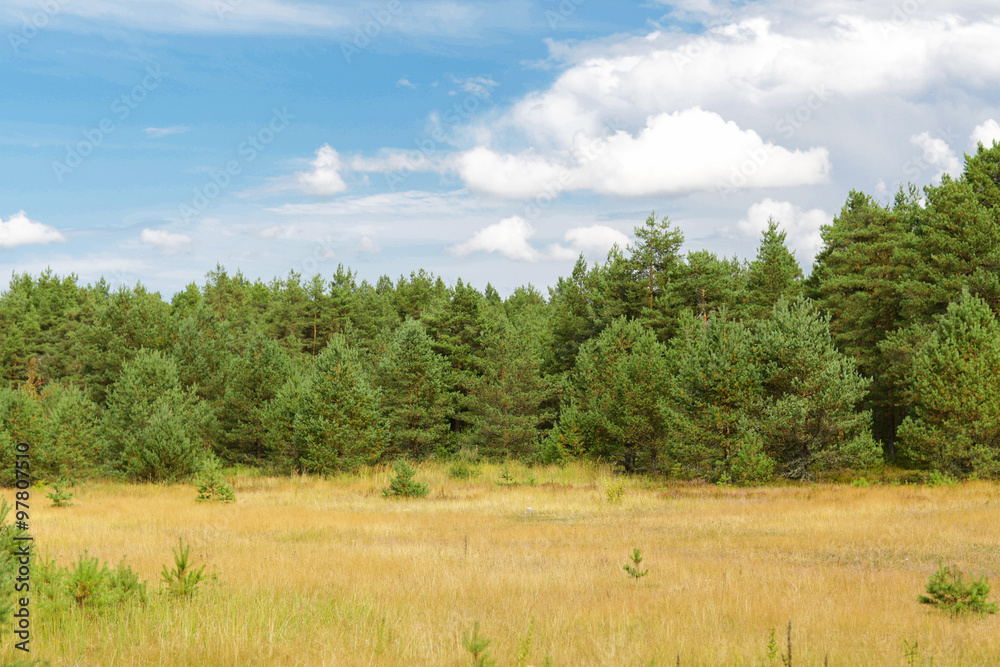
(20, 230)
(509, 238)
(802, 227)
(986, 133)
(937, 154)
(324, 179)
(675, 153)
(166, 241)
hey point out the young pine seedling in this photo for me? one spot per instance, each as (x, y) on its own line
(634, 568)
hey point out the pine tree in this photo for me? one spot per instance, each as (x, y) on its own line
(254, 377)
(774, 274)
(812, 392)
(955, 423)
(154, 429)
(860, 278)
(414, 401)
(511, 402)
(619, 378)
(338, 425)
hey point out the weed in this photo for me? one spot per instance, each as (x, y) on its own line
(948, 589)
(615, 491)
(524, 648)
(462, 469)
(183, 580)
(403, 483)
(633, 568)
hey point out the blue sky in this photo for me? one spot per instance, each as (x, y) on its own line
(148, 141)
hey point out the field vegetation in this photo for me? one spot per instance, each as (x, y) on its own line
(306, 570)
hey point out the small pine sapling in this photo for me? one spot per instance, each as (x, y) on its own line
(212, 485)
(634, 568)
(476, 646)
(948, 589)
(60, 497)
(403, 483)
(183, 580)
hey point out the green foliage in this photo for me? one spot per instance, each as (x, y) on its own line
(774, 274)
(414, 401)
(93, 585)
(212, 485)
(59, 496)
(954, 427)
(403, 485)
(337, 425)
(155, 429)
(950, 592)
(182, 581)
(614, 390)
(477, 647)
(615, 490)
(463, 470)
(511, 402)
(524, 648)
(634, 567)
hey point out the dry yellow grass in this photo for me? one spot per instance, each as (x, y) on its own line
(327, 572)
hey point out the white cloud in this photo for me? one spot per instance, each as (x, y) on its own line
(166, 241)
(158, 132)
(368, 245)
(986, 133)
(675, 153)
(509, 237)
(937, 153)
(325, 177)
(19, 230)
(801, 226)
(406, 83)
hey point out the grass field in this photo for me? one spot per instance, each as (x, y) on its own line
(310, 571)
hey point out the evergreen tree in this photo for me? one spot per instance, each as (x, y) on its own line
(812, 392)
(414, 401)
(955, 423)
(511, 401)
(860, 278)
(254, 377)
(619, 378)
(574, 320)
(773, 275)
(338, 425)
(715, 395)
(154, 429)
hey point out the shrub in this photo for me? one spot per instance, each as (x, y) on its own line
(60, 497)
(633, 568)
(403, 483)
(948, 590)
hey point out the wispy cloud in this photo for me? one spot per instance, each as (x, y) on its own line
(158, 132)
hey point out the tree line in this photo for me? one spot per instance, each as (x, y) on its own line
(687, 365)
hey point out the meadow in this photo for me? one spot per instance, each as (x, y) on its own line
(314, 571)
